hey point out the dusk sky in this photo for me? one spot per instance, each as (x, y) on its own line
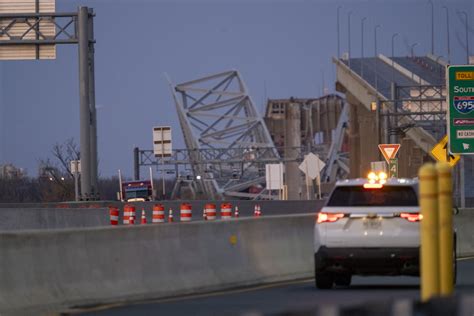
(285, 46)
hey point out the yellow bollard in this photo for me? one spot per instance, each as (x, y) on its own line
(445, 222)
(429, 250)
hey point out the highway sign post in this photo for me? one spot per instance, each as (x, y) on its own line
(162, 147)
(460, 118)
(441, 153)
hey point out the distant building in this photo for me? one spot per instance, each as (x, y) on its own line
(9, 171)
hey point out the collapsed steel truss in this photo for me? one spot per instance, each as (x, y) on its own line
(217, 115)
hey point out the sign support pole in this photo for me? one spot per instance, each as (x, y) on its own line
(462, 184)
(307, 182)
(84, 96)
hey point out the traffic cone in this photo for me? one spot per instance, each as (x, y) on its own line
(236, 213)
(255, 210)
(259, 210)
(170, 216)
(143, 220)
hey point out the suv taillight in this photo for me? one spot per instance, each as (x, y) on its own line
(411, 217)
(328, 217)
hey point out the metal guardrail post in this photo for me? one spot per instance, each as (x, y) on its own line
(445, 222)
(429, 249)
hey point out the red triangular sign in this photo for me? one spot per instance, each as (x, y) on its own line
(389, 151)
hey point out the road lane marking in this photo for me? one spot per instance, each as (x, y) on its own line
(98, 307)
(465, 258)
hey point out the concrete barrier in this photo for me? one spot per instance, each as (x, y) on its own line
(87, 214)
(52, 218)
(50, 269)
(464, 223)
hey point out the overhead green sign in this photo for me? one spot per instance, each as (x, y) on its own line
(460, 118)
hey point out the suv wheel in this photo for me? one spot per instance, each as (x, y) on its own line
(324, 280)
(343, 279)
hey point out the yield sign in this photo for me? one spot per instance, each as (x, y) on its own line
(389, 151)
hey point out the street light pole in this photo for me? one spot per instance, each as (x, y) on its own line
(362, 36)
(447, 32)
(393, 70)
(362, 46)
(338, 36)
(432, 26)
(412, 50)
(349, 35)
(375, 53)
(467, 37)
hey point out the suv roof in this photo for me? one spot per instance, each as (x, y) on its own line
(390, 181)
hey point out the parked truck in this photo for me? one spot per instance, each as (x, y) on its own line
(137, 190)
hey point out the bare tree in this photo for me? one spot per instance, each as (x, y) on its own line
(65, 153)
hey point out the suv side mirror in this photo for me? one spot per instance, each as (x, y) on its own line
(455, 210)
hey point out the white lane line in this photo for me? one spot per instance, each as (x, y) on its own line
(465, 258)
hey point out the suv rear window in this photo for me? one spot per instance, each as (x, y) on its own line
(386, 196)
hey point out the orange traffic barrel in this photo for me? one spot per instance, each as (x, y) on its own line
(158, 214)
(114, 215)
(226, 211)
(186, 213)
(210, 211)
(127, 214)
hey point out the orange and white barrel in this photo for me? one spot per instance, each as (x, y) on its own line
(236, 212)
(114, 215)
(127, 214)
(158, 214)
(133, 215)
(186, 213)
(210, 210)
(226, 211)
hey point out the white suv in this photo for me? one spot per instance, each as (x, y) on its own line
(368, 227)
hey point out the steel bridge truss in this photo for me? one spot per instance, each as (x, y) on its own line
(416, 106)
(220, 123)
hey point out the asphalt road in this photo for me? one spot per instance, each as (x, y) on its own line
(296, 295)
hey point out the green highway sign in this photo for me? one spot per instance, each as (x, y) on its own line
(393, 168)
(460, 117)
